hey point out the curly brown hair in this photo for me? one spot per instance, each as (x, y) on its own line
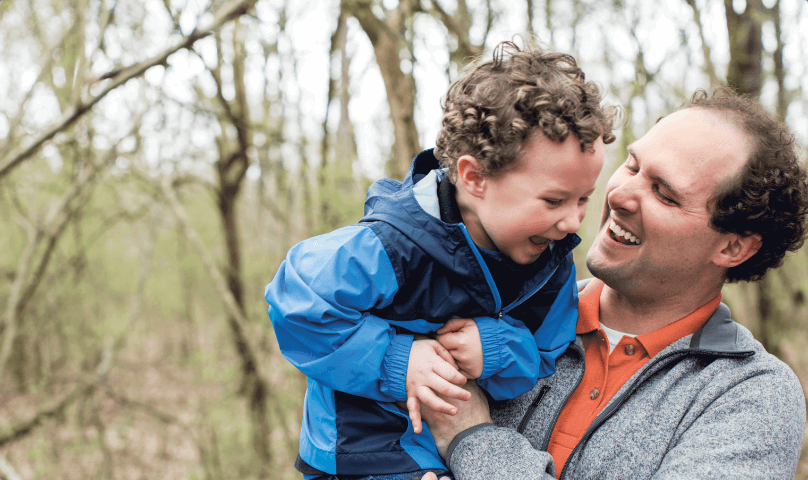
(495, 105)
(769, 196)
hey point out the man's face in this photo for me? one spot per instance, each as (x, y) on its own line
(655, 235)
(543, 198)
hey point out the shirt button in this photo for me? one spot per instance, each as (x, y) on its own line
(629, 349)
(595, 394)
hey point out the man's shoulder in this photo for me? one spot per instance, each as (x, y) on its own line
(762, 360)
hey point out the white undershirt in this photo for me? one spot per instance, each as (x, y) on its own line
(614, 336)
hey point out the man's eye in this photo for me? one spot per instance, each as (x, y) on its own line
(662, 197)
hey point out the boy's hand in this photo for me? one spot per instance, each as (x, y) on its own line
(432, 369)
(462, 338)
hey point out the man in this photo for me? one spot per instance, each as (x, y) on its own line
(672, 388)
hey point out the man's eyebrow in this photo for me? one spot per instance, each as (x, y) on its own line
(655, 178)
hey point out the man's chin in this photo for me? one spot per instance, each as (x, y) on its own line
(609, 274)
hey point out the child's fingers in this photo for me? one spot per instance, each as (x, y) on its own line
(428, 397)
(444, 354)
(449, 340)
(414, 408)
(439, 385)
(449, 373)
(452, 325)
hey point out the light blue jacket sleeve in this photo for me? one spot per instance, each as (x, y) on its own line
(318, 303)
(514, 359)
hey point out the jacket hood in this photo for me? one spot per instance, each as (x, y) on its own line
(385, 197)
(395, 203)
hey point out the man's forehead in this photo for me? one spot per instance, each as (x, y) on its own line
(692, 146)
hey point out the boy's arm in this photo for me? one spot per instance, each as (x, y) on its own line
(318, 303)
(514, 357)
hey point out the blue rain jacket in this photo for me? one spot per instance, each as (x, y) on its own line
(345, 306)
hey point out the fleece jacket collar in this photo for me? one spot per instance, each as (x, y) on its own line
(718, 335)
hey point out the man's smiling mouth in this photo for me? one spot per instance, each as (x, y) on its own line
(622, 236)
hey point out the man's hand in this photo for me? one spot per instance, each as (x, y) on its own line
(471, 412)
(462, 338)
(432, 370)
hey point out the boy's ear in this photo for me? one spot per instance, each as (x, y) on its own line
(469, 176)
(737, 250)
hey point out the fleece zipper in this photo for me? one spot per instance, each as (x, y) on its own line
(650, 370)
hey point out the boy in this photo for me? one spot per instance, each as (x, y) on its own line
(478, 253)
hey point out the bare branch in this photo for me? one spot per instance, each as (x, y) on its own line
(46, 62)
(7, 470)
(25, 428)
(231, 304)
(149, 410)
(23, 289)
(228, 12)
(709, 68)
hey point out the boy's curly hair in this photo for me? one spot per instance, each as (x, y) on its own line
(769, 197)
(495, 105)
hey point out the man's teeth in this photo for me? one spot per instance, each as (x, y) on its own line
(619, 232)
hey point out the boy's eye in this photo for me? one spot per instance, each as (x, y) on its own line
(553, 202)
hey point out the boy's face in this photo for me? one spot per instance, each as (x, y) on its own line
(543, 198)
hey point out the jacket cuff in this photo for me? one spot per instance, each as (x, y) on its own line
(459, 437)
(491, 339)
(395, 364)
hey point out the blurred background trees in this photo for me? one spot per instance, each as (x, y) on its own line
(158, 158)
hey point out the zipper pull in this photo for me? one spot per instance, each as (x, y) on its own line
(500, 314)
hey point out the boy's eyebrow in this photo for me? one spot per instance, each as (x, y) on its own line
(654, 177)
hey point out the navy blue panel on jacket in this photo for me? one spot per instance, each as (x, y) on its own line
(344, 306)
(439, 276)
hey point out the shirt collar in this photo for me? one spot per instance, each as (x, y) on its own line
(653, 342)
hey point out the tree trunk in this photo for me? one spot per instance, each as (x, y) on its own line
(232, 169)
(387, 36)
(745, 75)
(745, 70)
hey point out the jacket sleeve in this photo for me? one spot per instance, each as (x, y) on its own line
(514, 359)
(318, 303)
(487, 451)
(753, 430)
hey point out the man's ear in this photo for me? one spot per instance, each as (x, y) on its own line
(470, 177)
(737, 250)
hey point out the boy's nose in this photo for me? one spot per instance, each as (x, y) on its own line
(571, 221)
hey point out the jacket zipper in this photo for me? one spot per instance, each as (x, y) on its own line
(499, 310)
(561, 405)
(651, 370)
(532, 407)
(526, 298)
(542, 392)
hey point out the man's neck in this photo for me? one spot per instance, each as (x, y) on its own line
(638, 315)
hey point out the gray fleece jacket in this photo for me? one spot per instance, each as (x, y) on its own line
(711, 405)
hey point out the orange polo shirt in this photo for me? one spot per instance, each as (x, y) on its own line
(605, 373)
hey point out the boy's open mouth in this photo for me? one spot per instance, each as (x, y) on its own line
(620, 235)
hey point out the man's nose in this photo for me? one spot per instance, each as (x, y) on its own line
(623, 196)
